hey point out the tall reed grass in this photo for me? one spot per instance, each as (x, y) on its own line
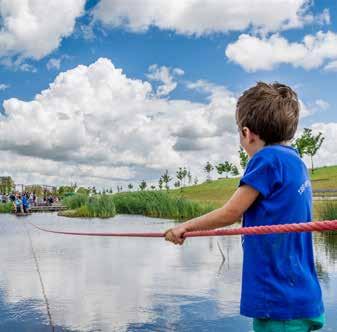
(6, 207)
(159, 204)
(148, 203)
(75, 201)
(328, 211)
(81, 205)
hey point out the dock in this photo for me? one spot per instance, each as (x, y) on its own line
(47, 208)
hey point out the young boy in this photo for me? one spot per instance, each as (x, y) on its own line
(280, 289)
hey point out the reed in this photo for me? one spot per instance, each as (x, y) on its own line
(80, 205)
(6, 207)
(328, 211)
(159, 204)
(75, 201)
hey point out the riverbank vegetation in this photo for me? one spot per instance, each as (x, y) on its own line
(6, 207)
(158, 204)
(81, 205)
(328, 210)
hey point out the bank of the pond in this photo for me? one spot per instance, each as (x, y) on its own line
(81, 205)
(157, 204)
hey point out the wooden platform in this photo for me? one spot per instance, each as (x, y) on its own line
(47, 208)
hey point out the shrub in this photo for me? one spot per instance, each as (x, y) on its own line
(6, 207)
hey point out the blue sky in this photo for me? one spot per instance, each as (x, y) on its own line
(195, 41)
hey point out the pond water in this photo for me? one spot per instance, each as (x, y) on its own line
(128, 284)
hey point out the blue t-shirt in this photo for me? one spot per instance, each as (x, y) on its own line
(279, 279)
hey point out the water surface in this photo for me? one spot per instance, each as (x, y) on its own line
(128, 284)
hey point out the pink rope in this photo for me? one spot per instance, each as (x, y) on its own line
(317, 226)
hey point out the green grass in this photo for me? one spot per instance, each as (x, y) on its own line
(6, 207)
(75, 201)
(159, 204)
(80, 205)
(218, 192)
(328, 210)
(148, 203)
(324, 178)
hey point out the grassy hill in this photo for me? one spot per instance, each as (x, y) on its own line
(219, 191)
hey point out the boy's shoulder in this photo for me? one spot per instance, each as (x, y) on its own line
(276, 153)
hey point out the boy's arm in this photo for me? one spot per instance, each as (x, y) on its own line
(231, 212)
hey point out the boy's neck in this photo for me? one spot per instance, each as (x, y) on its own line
(260, 144)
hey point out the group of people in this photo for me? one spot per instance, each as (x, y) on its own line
(22, 201)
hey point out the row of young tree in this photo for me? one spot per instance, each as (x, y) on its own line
(184, 175)
(307, 144)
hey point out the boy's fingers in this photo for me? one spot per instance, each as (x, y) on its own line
(169, 236)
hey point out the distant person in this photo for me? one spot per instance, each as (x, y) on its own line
(18, 204)
(25, 203)
(31, 199)
(280, 288)
(12, 197)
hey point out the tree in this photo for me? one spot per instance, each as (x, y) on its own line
(61, 191)
(243, 158)
(166, 179)
(309, 144)
(38, 190)
(153, 187)
(196, 180)
(130, 186)
(189, 176)
(180, 175)
(82, 190)
(225, 167)
(177, 184)
(208, 169)
(143, 185)
(234, 171)
(160, 183)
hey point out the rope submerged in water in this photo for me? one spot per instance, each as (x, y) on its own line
(317, 226)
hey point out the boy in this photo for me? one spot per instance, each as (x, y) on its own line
(280, 289)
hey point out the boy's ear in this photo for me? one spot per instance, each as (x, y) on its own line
(248, 134)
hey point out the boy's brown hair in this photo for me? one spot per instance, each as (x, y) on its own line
(270, 111)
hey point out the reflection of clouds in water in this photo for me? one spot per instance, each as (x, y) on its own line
(104, 282)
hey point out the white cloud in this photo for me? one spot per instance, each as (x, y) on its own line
(254, 53)
(204, 17)
(53, 64)
(33, 29)
(3, 86)
(331, 66)
(324, 17)
(165, 75)
(17, 65)
(322, 104)
(94, 125)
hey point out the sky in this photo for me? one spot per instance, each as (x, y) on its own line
(110, 92)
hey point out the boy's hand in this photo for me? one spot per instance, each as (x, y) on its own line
(175, 235)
